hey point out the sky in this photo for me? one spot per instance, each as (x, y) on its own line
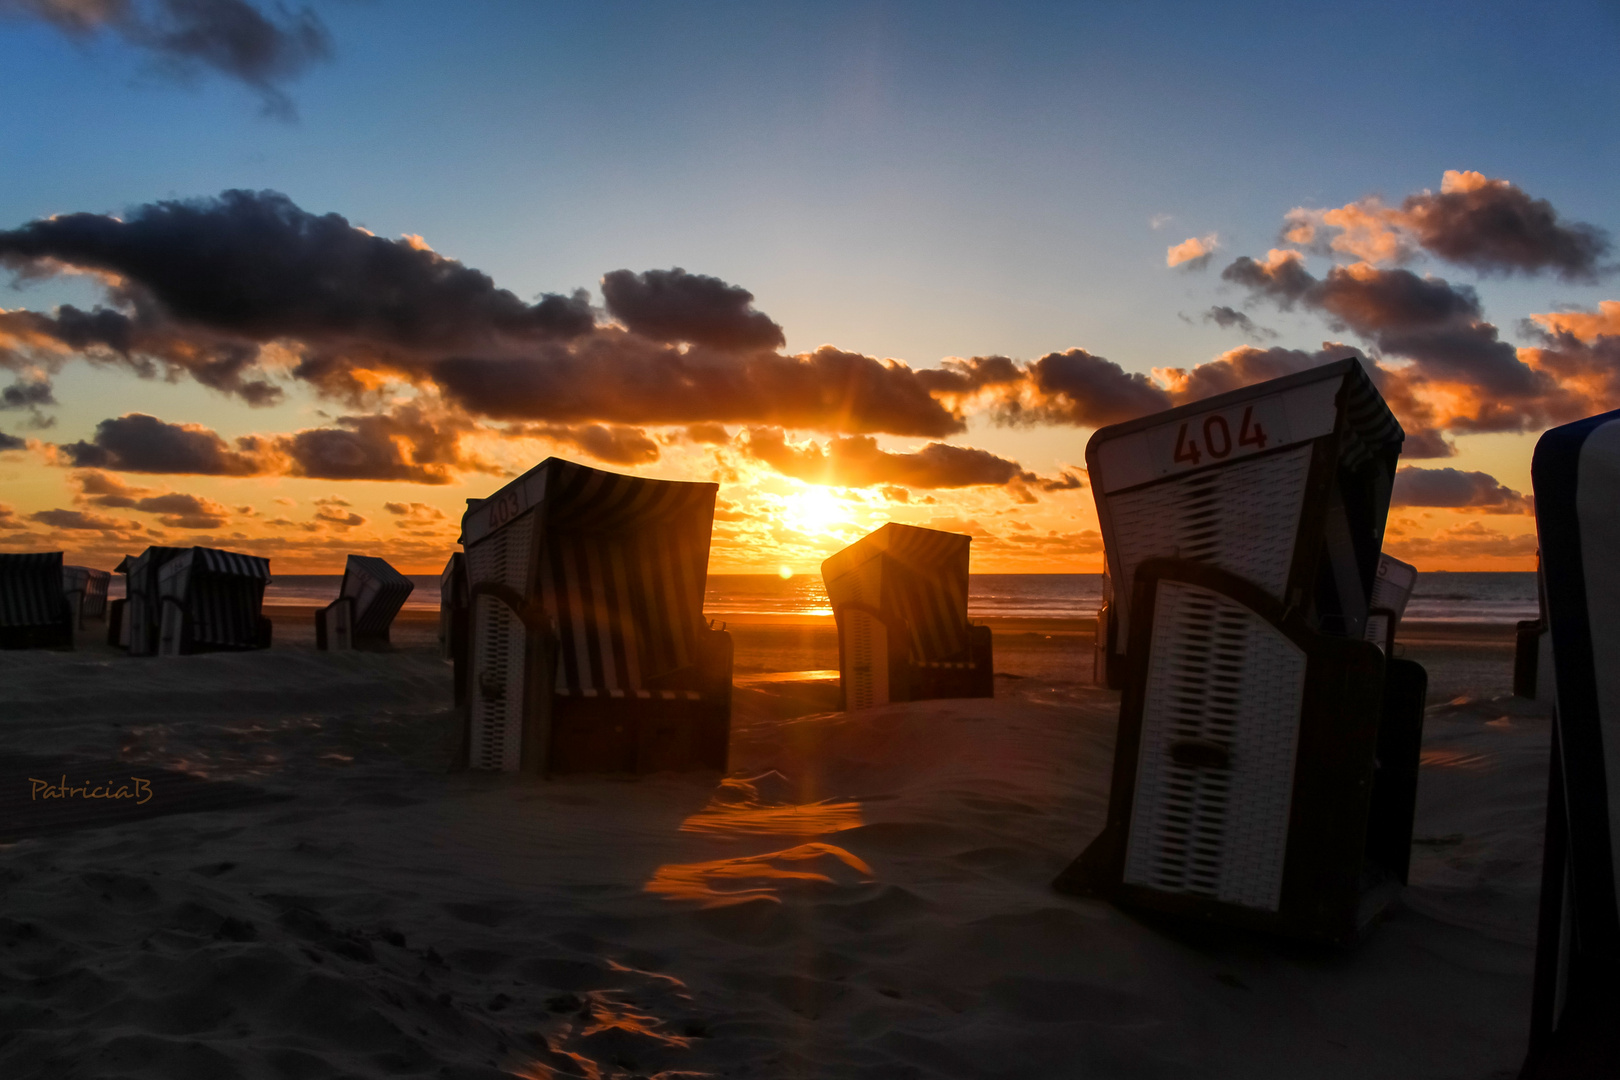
(299, 281)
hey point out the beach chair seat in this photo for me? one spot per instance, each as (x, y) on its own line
(587, 646)
(369, 597)
(34, 611)
(1265, 774)
(1576, 477)
(211, 601)
(899, 598)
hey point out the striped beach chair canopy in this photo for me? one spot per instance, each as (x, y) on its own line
(31, 590)
(88, 588)
(916, 575)
(619, 566)
(378, 592)
(221, 593)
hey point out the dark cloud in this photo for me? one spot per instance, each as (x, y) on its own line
(406, 444)
(1246, 365)
(1494, 226)
(1457, 490)
(27, 394)
(77, 519)
(857, 461)
(674, 306)
(231, 37)
(176, 510)
(1228, 317)
(713, 434)
(11, 442)
(1075, 387)
(614, 444)
(144, 444)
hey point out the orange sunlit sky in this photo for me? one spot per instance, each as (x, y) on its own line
(304, 293)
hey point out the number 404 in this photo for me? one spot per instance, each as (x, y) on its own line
(1218, 437)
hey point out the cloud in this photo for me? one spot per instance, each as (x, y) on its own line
(1456, 490)
(1193, 253)
(406, 444)
(27, 394)
(1487, 225)
(1471, 540)
(615, 444)
(230, 37)
(714, 434)
(176, 510)
(11, 442)
(1228, 317)
(8, 518)
(1076, 387)
(79, 519)
(415, 512)
(144, 444)
(857, 461)
(674, 306)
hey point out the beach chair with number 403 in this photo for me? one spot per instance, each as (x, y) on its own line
(1265, 771)
(1576, 475)
(370, 595)
(588, 651)
(899, 597)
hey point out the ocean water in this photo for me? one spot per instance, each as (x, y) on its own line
(1453, 597)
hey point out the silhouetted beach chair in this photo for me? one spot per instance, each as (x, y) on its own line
(453, 615)
(211, 602)
(371, 594)
(1532, 651)
(1265, 771)
(1393, 583)
(34, 612)
(141, 618)
(899, 596)
(1576, 476)
(86, 592)
(589, 650)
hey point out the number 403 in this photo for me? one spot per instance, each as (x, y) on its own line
(1218, 437)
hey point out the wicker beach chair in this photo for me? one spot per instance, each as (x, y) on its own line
(588, 647)
(1576, 476)
(211, 602)
(142, 613)
(1265, 772)
(899, 596)
(1393, 583)
(34, 612)
(371, 594)
(86, 591)
(453, 621)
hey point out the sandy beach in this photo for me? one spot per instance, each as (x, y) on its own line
(865, 895)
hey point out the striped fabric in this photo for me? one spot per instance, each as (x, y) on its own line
(220, 594)
(144, 608)
(1371, 431)
(31, 590)
(378, 592)
(923, 583)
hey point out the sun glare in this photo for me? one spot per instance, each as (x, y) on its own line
(815, 512)
(784, 572)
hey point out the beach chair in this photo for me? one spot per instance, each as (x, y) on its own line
(1532, 652)
(86, 592)
(588, 647)
(453, 615)
(1576, 477)
(899, 597)
(1265, 771)
(1393, 583)
(211, 602)
(34, 612)
(142, 613)
(371, 594)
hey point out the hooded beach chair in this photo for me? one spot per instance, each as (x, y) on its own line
(1265, 770)
(453, 615)
(141, 618)
(899, 597)
(588, 647)
(86, 592)
(1532, 651)
(34, 611)
(1393, 583)
(371, 594)
(1576, 477)
(211, 602)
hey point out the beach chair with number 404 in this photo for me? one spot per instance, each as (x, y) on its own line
(1265, 771)
(588, 651)
(899, 597)
(370, 595)
(1576, 475)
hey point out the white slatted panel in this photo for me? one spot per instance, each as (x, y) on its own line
(1243, 518)
(496, 682)
(866, 661)
(1218, 673)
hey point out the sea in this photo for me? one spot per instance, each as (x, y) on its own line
(1489, 597)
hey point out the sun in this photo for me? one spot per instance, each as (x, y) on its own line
(815, 512)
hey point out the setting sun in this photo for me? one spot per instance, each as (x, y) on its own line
(815, 512)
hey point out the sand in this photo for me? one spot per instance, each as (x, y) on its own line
(866, 895)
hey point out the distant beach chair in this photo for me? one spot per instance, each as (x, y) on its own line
(1576, 477)
(141, 618)
(211, 601)
(1265, 771)
(588, 647)
(1392, 589)
(453, 615)
(34, 612)
(899, 597)
(371, 594)
(86, 592)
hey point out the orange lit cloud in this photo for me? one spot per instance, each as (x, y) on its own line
(1193, 253)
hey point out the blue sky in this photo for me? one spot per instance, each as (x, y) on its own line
(913, 181)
